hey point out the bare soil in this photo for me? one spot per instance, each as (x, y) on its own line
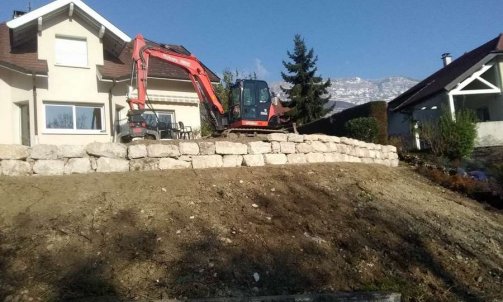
(245, 232)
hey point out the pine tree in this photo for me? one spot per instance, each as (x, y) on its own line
(308, 94)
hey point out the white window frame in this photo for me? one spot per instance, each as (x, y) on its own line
(69, 64)
(74, 116)
(164, 112)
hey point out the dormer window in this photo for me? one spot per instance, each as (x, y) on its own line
(71, 52)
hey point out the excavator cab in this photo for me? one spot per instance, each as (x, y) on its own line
(249, 104)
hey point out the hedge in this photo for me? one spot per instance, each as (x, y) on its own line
(335, 124)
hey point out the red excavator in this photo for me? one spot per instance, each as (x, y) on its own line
(250, 105)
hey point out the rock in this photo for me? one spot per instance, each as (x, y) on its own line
(185, 158)
(304, 148)
(14, 152)
(389, 148)
(44, 152)
(253, 160)
(78, 166)
(162, 150)
(171, 163)
(259, 147)
(188, 148)
(367, 160)
(137, 151)
(275, 147)
(49, 167)
(298, 158)
(256, 277)
(319, 146)
(312, 137)
(287, 147)
(111, 150)
(275, 159)
(295, 138)
(207, 161)
(232, 161)
(206, 148)
(71, 151)
(332, 147)
(15, 168)
(222, 147)
(342, 148)
(315, 157)
(94, 163)
(144, 164)
(394, 162)
(277, 137)
(332, 157)
(346, 141)
(329, 139)
(105, 164)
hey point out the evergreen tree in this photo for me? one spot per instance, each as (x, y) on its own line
(308, 94)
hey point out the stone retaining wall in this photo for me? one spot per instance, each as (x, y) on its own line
(277, 149)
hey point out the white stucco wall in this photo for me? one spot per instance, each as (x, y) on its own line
(489, 134)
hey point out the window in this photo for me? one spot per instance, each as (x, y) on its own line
(483, 114)
(69, 118)
(71, 52)
(167, 117)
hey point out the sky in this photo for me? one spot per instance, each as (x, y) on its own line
(366, 38)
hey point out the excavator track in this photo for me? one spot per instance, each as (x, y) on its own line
(253, 131)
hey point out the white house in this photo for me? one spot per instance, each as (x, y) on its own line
(473, 81)
(64, 76)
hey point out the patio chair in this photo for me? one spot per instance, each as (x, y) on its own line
(185, 131)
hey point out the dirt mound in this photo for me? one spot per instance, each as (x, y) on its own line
(245, 231)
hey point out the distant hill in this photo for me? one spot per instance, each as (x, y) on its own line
(348, 92)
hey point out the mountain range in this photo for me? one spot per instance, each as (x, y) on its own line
(348, 92)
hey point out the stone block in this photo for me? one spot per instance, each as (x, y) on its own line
(207, 161)
(277, 137)
(144, 164)
(71, 151)
(295, 138)
(188, 148)
(49, 167)
(106, 164)
(253, 160)
(342, 148)
(230, 161)
(44, 152)
(111, 150)
(315, 157)
(275, 159)
(332, 157)
(312, 137)
(297, 158)
(222, 147)
(168, 163)
(259, 147)
(78, 166)
(332, 147)
(137, 151)
(12, 167)
(304, 148)
(394, 162)
(287, 147)
(346, 141)
(186, 158)
(206, 148)
(275, 147)
(319, 146)
(163, 150)
(367, 160)
(14, 152)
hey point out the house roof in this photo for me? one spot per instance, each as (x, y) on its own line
(446, 78)
(120, 67)
(23, 58)
(18, 49)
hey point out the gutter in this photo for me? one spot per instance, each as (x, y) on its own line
(28, 74)
(111, 110)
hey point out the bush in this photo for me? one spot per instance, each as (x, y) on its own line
(363, 128)
(452, 138)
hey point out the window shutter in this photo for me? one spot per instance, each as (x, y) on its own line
(71, 52)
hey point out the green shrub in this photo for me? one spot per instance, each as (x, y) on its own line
(363, 128)
(454, 139)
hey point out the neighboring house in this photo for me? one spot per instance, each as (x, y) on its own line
(64, 76)
(473, 81)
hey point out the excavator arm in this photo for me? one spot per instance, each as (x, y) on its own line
(197, 74)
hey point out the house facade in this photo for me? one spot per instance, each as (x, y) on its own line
(473, 81)
(65, 75)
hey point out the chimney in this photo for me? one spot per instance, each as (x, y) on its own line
(17, 13)
(446, 58)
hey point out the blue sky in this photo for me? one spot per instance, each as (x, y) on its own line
(365, 38)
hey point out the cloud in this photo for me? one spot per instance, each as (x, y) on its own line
(260, 69)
